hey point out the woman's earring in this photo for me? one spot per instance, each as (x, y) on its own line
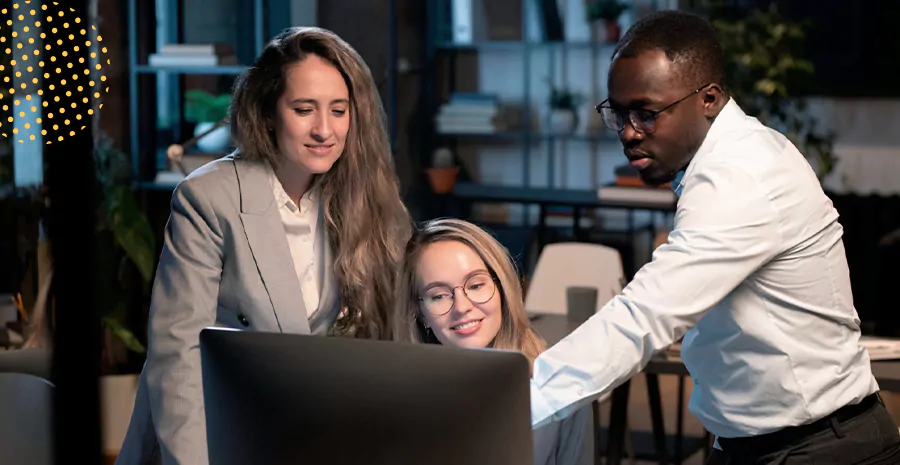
(429, 335)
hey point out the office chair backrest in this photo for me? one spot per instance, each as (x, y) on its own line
(26, 416)
(567, 264)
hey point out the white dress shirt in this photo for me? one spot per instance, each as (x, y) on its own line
(754, 276)
(306, 240)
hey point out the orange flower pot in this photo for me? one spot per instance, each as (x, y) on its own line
(442, 179)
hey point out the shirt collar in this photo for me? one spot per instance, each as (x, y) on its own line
(729, 118)
(281, 196)
(677, 184)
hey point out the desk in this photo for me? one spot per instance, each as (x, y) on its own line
(546, 197)
(553, 328)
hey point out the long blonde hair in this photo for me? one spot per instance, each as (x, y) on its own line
(515, 330)
(366, 221)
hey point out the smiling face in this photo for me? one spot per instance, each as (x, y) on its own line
(443, 271)
(651, 81)
(312, 118)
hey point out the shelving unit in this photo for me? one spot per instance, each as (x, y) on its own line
(148, 137)
(258, 20)
(533, 141)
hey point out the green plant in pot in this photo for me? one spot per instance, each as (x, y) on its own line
(764, 66)
(607, 11)
(125, 249)
(563, 105)
(208, 111)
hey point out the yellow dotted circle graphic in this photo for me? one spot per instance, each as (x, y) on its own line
(52, 65)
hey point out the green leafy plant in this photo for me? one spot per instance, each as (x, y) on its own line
(124, 244)
(764, 64)
(202, 107)
(607, 10)
(562, 98)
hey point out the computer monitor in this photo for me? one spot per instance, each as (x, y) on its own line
(292, 399)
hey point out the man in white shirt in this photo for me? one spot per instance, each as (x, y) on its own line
(754, 274)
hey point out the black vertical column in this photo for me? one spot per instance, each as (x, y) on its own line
(70, 181)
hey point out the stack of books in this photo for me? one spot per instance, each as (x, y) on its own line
(879, 348)
(471, 113)
(629, 187)
(195, 55)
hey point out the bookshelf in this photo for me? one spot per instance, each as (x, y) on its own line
(157, 92)
(519, 64)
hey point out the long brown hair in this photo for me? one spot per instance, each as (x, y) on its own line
(366, 221)
(515, 330)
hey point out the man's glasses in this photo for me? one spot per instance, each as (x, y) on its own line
(479, 289)
(641, 119)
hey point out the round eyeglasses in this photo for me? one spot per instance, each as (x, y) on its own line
(438, 300)
(641, 119)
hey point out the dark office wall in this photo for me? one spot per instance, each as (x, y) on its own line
(114, 29)
(365, 25)
(852, 44)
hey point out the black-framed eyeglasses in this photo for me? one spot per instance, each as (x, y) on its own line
(641, 119)
(479, 289)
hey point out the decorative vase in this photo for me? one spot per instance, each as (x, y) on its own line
(442, 179)
(217, 141)
(117, 393)
(563, 121)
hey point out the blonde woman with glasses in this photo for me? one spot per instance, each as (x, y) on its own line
(459, 287)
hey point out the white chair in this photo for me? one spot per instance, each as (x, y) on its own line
(568, 264)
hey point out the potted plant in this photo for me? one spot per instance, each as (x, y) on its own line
(443, 172)
(607, 11)
(764, 65)
(125, 256)
(563, 114)
(125, 248)
(208, 110)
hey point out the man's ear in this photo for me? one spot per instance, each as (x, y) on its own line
(714, 99)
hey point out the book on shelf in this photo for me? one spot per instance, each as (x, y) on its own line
(193, 55)
(646, 195)
(474, 113)
(629, 187)
(879, 348)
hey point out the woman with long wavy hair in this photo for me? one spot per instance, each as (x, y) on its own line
(459, 287)
(300, 230)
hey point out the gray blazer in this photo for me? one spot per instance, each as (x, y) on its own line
(566, 442)
(225, 262)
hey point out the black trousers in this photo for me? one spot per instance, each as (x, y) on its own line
(867, 438)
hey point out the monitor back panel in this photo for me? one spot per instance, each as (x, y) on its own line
(279, 399)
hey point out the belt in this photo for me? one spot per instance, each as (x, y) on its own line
(769, 442)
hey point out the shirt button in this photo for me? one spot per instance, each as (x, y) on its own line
(580, 391)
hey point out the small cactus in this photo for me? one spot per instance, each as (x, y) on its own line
(442, 158)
